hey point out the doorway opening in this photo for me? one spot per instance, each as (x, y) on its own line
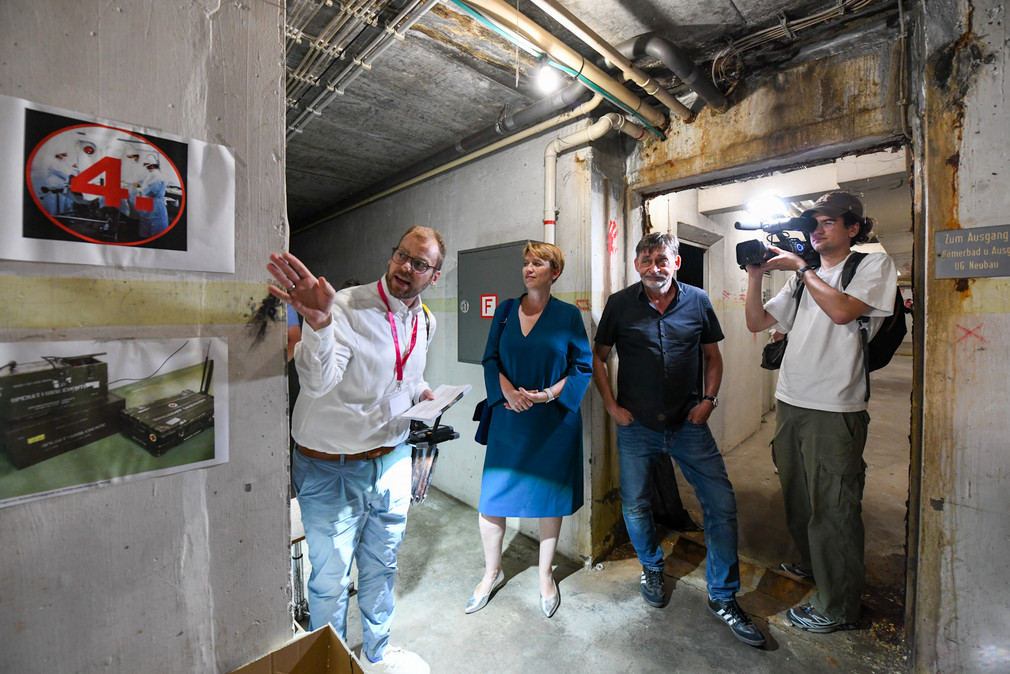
(692, 265)
(745, 420)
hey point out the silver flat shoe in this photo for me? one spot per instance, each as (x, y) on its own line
(549, 606)
(476, 603)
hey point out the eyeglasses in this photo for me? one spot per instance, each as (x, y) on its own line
(417, 264)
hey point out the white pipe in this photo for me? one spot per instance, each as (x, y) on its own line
(600, 128)
(507, 16)
(583, 109)
(602, 47)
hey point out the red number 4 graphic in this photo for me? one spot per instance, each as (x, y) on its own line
(111, 189)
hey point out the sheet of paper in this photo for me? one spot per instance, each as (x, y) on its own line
(446, 396)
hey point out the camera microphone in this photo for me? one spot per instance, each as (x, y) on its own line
(796, 224)
(747, 225)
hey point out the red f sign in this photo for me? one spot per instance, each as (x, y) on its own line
(488, 303)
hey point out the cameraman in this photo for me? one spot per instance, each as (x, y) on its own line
(821, 413)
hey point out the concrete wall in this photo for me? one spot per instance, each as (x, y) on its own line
(959, 553)
(497, 199)
(186, 573)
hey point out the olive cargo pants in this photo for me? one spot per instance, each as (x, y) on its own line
(819, 456)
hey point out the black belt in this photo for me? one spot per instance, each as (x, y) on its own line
(367, 455)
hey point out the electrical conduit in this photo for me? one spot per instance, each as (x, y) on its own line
(505, 15)
(630, 70)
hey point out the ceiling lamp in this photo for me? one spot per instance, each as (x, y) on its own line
(548, 78)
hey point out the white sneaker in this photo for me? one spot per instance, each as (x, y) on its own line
(396, 661)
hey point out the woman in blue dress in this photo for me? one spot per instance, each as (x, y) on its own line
(537, 368)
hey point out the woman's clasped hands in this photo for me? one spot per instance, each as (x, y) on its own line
(520, 400)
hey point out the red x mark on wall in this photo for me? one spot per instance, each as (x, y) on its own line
(971, 333)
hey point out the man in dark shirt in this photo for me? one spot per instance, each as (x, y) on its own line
(660, 327)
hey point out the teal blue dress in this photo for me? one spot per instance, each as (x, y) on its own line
(533, 463)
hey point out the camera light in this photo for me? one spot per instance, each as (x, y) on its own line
(767, 208)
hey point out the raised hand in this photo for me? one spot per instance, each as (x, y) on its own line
(310, 296)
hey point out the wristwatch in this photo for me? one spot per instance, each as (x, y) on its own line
(803, 270)
(715, 401)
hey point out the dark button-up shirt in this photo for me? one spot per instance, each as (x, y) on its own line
(660, 354)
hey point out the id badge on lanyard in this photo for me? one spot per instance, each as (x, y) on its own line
(400, 401)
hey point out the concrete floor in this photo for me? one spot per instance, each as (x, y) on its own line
(763, 538)
(603, 624)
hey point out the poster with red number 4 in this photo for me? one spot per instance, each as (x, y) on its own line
(105, 193)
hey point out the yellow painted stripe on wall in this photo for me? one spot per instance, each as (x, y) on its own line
(44, 302)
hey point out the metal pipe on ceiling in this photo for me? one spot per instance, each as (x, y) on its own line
(679, 63)
(382, 42)
(394, 29)
(329, 45)
(605, 49)
(505, 15)
(300, 14)
(597, 130)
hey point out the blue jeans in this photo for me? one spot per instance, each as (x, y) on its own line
(354, 510)
(695, 451)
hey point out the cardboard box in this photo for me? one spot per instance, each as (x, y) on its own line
(318, 652)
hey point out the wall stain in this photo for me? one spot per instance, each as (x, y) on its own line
(464, 34)
(937, 504)
(953, 70)
(268, 310)
(612, 496)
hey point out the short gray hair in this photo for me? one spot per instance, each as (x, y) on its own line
(655, 240)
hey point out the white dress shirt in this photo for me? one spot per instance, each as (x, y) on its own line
(347, 372)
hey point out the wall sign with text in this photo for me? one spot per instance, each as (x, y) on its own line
(96, 192)
(975, 252)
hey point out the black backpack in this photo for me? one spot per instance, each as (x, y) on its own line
(877, 352)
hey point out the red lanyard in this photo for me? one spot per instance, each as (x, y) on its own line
(400, 360)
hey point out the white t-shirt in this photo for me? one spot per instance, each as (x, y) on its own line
(823, 364)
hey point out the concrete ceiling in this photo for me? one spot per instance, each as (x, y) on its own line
(451, 76)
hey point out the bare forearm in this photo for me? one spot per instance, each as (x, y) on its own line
(713, 376)
(754, 312)
(839, 307)
(601, 377)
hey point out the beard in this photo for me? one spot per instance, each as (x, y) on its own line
(655, 281)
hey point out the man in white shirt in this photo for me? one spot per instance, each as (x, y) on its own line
(821, 414)
(360, 365)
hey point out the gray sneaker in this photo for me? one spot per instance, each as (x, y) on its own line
(807, 618)
(653, 587)
(797, 569)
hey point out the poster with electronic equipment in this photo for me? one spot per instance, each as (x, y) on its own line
(83, 190)
(78, 415)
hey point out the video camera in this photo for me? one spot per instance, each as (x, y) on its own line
(756, 252)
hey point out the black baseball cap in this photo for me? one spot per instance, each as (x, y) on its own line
(836, 204)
